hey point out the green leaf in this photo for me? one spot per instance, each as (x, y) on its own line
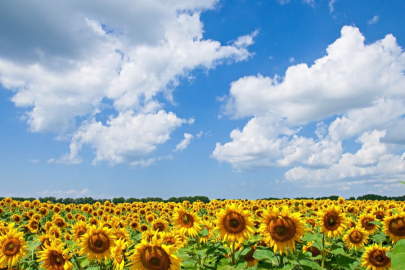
(309, 237)
(379, 237)
(265, 254)
(398, 256)
(242, 253)
(378, 223)
(241, 265)
(307, 261)
(401, 181)
(337, 249)
(394, 211)
(203, 232)
(92, 268)
(33, 245)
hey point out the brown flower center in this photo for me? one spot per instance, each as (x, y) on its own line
(356, 237)
(397, 226)
(314, 251)
(155, 258)
(378, 258)
(159, 227)
(11, 247)
(282, 229)
(99, 243)
(169, 241)
(366, 223)
(234, 223)
(57, 261)
(331, 221)
(187, 220)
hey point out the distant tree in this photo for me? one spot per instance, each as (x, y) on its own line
(118, 200)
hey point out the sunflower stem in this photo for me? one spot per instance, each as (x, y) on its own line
(281, 260)
(323, 249)
(78, 264)
(233, 253)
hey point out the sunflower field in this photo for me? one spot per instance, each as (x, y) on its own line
(230, 234)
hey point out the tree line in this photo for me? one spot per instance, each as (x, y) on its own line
(191, 199)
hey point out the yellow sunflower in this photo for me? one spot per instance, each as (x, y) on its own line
(118, 254)
(364, 222)
(154, 256)
(187, 223)
(332, 221)
(355, 238)
(234, 223)
(209, 227)
(281, 229)
(97, 243)
(394, 227)
(375, 258)
(79, 229)
(12, 247)
(159, 225)
(54, 257)
(172, 239)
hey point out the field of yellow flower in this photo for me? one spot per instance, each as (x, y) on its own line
(231, 234)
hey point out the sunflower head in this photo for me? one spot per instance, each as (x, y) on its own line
(154, 256)
(333, 222)
(355, 238)
(97, 243)
(375, 258)
(364, 222)
(394, 227)
(186, 222)
(281, 229)
(12, 247)
(54, 257)
(234, 223)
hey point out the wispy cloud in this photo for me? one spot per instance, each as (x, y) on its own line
(34, 160)
(331, 3)
(65, 193)
(374, 20)
(185, 142)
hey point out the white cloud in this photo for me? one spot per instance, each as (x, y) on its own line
(34, 160)
(199, 134)
(374, 20)
(65, 194)
(121, 57)
(358, 86)
(291, 59)
(331, 3)
(185, 142)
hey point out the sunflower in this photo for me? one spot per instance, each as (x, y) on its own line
(154, 256)
(12, 247)
(375, 258)
(16, 218)
(78, 230)
(281, 229)
(54, 257)
(159, 225)
(207, 225)
(364, 221)
(118, 254)
(234, 223)
(394, 227)
(172, 239)
(332, 221)
(379, 213)
(55, 232)
(355, 238)
(121, 233)
(187, 223)
(33, 225)
(97, 243)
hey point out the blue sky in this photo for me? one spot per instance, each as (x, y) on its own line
(227, 99)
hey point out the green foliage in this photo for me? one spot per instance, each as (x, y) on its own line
(398, 256)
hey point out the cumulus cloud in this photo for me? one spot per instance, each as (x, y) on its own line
(122, 59)
(357, 87)
(185, 142)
